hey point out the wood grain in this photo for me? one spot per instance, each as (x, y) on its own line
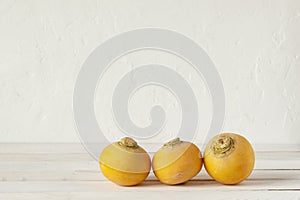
(35, 171)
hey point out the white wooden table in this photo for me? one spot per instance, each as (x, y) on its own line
(67, 171)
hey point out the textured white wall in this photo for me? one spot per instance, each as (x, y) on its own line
(255, 46)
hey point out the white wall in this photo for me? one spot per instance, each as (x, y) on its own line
(255, 46)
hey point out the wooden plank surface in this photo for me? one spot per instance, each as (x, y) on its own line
(178, 195)
(35, 171)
